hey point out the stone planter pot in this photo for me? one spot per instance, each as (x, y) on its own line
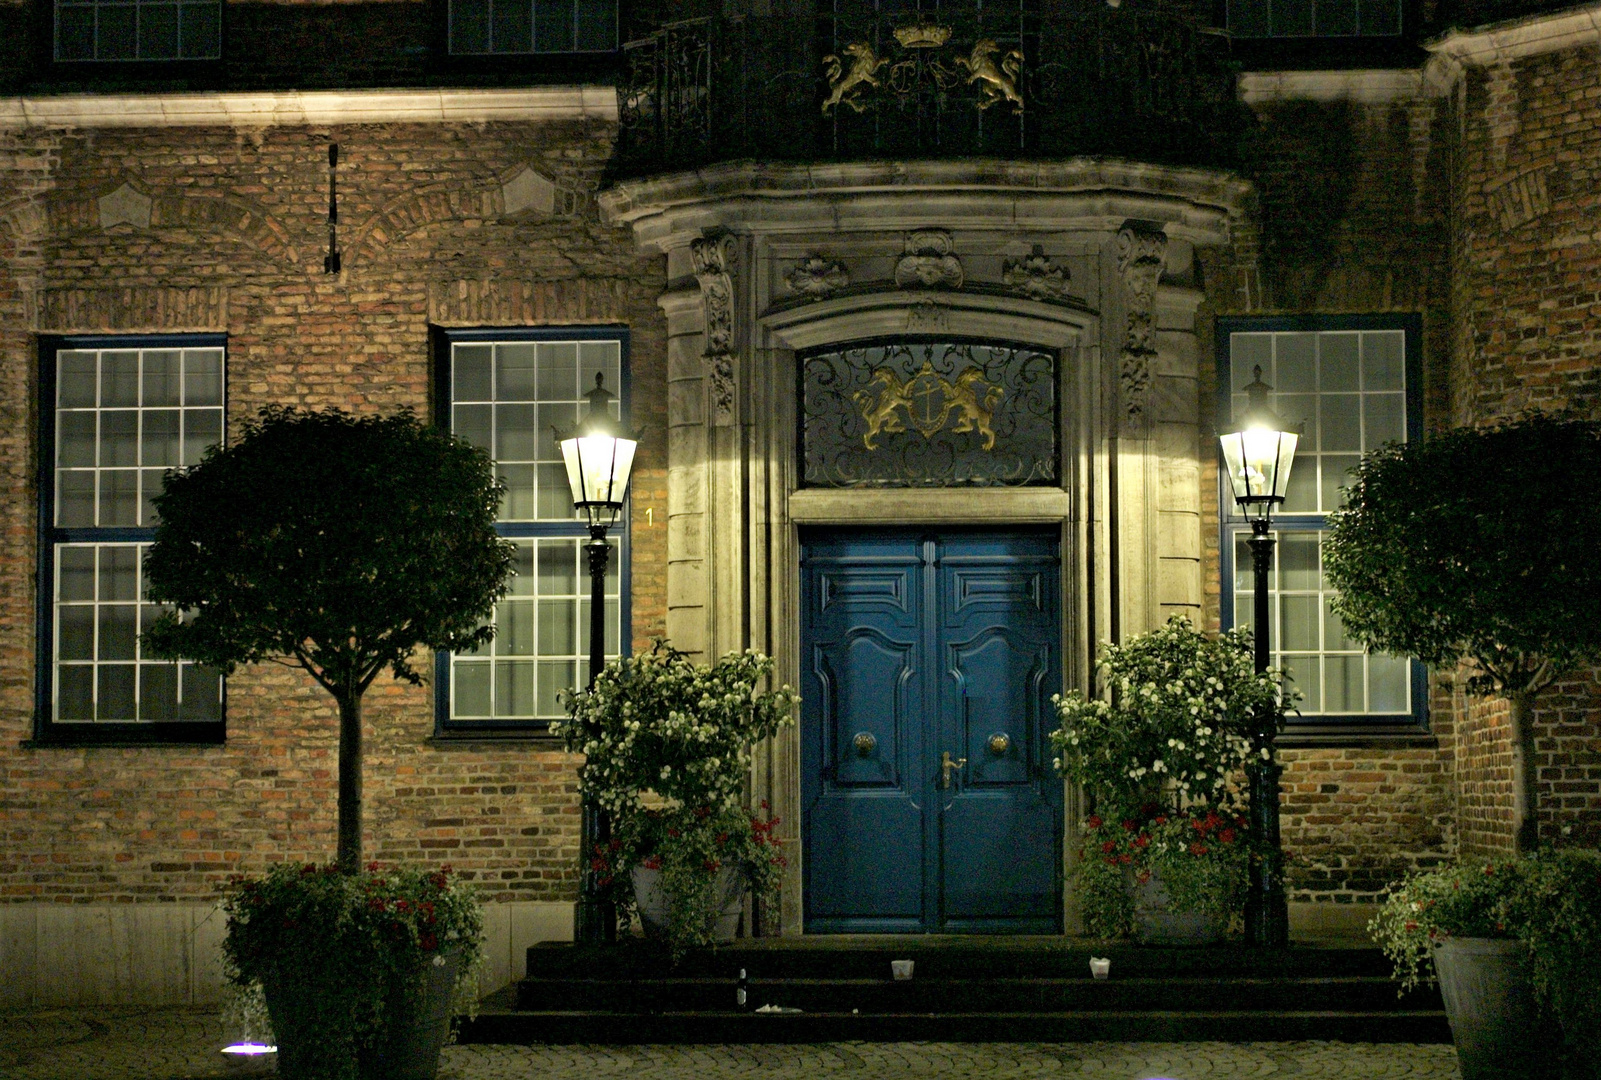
(1157, 923)
(651, 901)
(416, 1027)
(1489, 1000)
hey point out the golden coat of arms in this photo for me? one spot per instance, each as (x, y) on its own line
(926, 402)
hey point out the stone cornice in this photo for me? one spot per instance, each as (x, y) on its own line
(1365, 87)
(1516, 39)
(668, 211)
(307, 107)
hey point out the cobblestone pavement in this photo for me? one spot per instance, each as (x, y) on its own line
(121, 1043)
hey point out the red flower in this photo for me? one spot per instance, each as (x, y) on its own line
(1227, 836)
(1108, 847)
(1411, 925)
(722, 838)
(402, 905)
(372, 867)
(673, 833)
(1111, 860)
(1197, 849)
(1142, 840)
(1161, 819)
(1125, 859)
(1095, 822)
(1145, 875)
(1128, 826)
(711, 865)
(428, 942)
(598, 865)
(652, 862)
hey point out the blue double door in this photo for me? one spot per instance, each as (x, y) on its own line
(927, 666)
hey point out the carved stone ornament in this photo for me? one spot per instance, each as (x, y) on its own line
(1141, 259)
(125, 206)
(1036, 276)
(815, 277)
(929, 262)
(714, 257)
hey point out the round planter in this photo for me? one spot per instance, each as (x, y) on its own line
(416, 1026)
(1157, 923)
(1490, 1002)
(651, 901)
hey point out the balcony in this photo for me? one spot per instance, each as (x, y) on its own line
(1084, 79)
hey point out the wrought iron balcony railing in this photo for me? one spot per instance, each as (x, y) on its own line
(1084, 79)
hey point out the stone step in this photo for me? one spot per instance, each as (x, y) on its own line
(967, 994)
(494, 1025)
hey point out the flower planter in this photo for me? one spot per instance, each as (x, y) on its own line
(416, 1026)
(1490, 1002)
(651, 900)
(1157, 923)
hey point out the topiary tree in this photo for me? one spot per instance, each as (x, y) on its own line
(335, 544)
(1480, 546)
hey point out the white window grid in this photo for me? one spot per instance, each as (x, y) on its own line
(101, 673)
(123, 418)
(102, 30)
(541, 645)
(512, 27)
(1334, 673)
(510, 397)
(1348, 388)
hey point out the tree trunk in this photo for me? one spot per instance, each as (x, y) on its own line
(349, 782)
(1525, 774)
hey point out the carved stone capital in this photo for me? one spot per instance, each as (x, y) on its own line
(1036, 276)
(714, 258)
(929, 262)
(1141, 259)
(814, 277)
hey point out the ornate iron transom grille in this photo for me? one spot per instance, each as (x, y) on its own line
(928, 414)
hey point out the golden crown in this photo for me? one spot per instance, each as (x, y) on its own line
(923, 35)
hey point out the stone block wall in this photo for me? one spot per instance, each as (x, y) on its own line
(225, 230)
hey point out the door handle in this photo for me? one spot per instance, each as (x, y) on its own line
(946, 764)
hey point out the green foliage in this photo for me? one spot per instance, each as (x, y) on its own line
(1162, 761)
(342, 543)
(343, 946)
(690, 846)
(1477, 545)
(1201, 859)
(666, 747)
(1177, 727)
(1550, 901)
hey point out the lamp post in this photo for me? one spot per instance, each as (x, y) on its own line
(599, 455)
(1257, 455)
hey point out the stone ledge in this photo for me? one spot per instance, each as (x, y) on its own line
(297, 108)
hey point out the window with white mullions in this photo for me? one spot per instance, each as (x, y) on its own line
(508, 392)
(514, 27)
(121, 412)
(101, 30)
(1351, 382)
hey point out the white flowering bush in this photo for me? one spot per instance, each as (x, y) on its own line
(666, 746)
(1175, 725)
(1161, 756)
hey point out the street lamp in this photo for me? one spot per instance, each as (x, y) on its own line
(1257, 455)
(599, 455)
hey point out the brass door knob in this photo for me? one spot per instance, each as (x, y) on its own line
(999, 743)
(865, 743)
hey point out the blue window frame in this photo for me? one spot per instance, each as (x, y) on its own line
(523, 27)
(505, 390)
(1355, 382)
(115, 414)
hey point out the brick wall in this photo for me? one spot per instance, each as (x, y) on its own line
(1351, 219)
(1527, 315)
(235, 242)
